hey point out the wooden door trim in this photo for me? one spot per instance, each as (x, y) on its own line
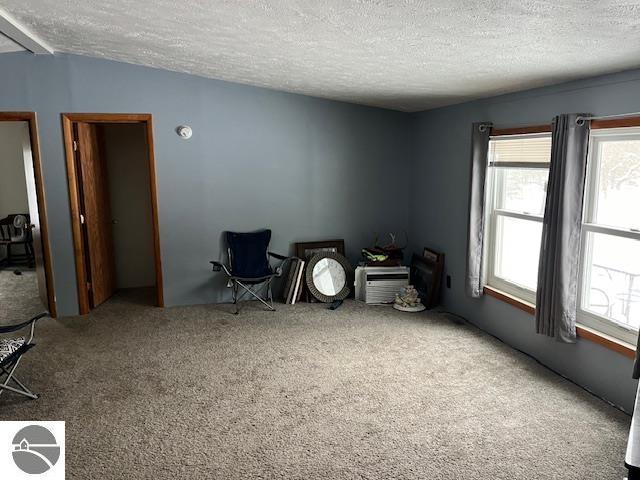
(32, 121)
(108, 117)
(74, 203)
(68, 120)
(153, 186)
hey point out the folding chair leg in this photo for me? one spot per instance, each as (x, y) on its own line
(10, 376)
(30, 395)
(21, 385)
(30, 254)
(256, 296)
(270, 294)
(235, 298)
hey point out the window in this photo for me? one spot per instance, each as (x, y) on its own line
(609, 286)
(609, 297)
(517, 184)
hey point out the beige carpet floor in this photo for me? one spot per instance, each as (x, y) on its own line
(19, 298)
(307, 393)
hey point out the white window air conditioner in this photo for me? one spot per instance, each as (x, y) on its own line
(376, 285)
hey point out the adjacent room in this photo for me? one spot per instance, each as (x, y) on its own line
(22, 289)
(319, 240)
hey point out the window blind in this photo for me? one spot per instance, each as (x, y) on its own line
(532, 151)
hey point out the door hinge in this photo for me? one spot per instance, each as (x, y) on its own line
(88, 285)
(75, 146)
(82, 219)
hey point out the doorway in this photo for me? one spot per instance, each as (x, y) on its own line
(26, 276)
(114, 210)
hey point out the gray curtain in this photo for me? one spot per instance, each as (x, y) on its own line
(560, 248)
(479, 149)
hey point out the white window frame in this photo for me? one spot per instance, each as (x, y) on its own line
(492, 213)
(590, 319)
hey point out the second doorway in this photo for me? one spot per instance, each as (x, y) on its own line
(113, 202)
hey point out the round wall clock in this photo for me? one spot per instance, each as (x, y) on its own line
(327, 276)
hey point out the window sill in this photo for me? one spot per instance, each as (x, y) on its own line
(586, 333)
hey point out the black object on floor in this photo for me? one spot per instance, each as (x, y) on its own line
(335, 304)
(17, 272)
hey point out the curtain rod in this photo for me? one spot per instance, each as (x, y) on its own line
(581, 120)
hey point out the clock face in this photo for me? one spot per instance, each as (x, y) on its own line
(329, 276)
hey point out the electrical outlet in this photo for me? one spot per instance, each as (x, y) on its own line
(448, 281)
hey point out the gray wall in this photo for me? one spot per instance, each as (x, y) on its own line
(308, 168)
(13, 185)
(439, 208)
(125, 150)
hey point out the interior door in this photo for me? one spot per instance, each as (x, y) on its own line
(34, 215)
(95, 214)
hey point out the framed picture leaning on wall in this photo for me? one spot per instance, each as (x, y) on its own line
(306, 250)
(426, 276)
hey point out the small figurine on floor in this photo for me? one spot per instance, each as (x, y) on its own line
(408, 300)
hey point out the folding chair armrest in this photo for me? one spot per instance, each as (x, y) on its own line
(217, 267)
(20, 326)
(284, 260)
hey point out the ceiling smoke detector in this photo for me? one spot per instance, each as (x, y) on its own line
(184, 131)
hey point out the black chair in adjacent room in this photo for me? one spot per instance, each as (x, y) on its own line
(249, 266)
(15, 231)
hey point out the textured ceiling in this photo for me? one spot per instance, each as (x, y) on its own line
(8, 45)
(404, 55)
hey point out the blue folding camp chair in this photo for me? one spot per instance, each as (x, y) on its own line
(249, 266)
(11, 351)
